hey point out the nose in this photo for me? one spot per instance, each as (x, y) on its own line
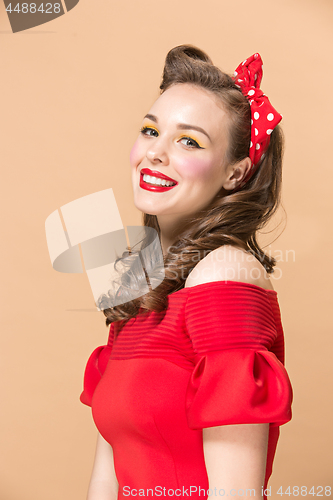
(156, 152)
(153, 157)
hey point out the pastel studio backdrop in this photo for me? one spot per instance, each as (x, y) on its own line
(73, 94)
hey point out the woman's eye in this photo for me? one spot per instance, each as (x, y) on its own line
(191, 143)
(149, 131)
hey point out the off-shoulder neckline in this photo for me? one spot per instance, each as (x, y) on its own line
(228, 282)
(266, 291)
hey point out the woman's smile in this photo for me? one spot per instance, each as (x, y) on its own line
(153, 180)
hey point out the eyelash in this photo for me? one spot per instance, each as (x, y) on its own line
(196, 145)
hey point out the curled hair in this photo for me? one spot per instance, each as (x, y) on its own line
(232, 218)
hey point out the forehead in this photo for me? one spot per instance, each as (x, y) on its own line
(186, 103)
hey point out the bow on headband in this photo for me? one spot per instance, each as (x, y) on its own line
(264, 117)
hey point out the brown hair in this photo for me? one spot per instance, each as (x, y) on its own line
(233, 218)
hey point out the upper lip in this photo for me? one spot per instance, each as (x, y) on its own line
(155, 173)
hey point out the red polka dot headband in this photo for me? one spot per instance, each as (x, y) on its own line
(264, 117)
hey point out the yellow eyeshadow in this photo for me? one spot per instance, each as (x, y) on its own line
(149, 126)
(194, 139)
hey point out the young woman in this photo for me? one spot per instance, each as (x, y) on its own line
(189, 393)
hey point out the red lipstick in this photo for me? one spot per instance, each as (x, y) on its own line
(153, 187)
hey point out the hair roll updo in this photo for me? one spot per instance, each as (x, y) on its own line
(233, 218)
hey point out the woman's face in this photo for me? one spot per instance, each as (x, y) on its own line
(184, 137)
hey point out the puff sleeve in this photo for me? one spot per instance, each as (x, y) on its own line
(237, 337)
(95, 368)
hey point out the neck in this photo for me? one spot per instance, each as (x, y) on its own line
(170, 229)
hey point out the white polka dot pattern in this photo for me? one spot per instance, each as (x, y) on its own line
(248, 77)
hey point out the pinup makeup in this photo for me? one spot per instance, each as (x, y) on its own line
(152, 180)
(174, 175)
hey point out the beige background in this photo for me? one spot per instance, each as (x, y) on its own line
(73, 93)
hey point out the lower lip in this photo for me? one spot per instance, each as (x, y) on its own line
(151, 187)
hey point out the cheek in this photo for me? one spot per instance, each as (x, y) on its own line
(195, 168)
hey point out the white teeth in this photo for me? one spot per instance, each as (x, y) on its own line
(157, 181)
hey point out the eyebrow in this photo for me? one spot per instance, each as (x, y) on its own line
(182, 126)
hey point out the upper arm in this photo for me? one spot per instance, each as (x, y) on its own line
(235, 454)
(229, 263)
(103, 483)
(235, 457)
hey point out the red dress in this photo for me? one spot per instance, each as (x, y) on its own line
(214, 357)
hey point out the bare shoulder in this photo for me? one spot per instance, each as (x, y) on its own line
(229, 263)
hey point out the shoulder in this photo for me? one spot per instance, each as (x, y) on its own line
(229, 263)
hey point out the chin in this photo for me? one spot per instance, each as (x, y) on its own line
(146, 208)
